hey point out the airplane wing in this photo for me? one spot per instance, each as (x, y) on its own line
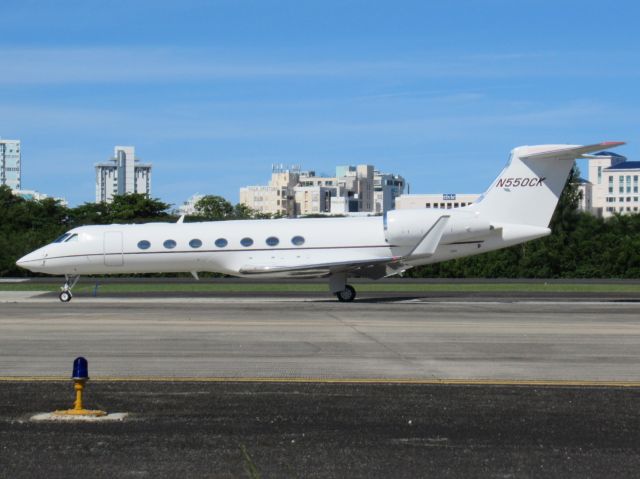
(374, 268)
(370, 268)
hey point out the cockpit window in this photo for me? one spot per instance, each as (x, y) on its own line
(73, 237)
(61, 238)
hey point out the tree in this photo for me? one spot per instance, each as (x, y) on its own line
(243, 212)
(25, 225)
(212, 207)
(137, 208)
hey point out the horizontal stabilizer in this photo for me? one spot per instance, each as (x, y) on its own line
(571, 153)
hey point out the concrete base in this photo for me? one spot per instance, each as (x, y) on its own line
(49, 416)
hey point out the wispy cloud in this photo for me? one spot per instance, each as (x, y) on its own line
(165, 125)
(75, 65)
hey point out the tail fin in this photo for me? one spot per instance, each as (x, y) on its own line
(528, 189)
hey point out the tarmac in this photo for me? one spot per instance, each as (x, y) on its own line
(304, 386)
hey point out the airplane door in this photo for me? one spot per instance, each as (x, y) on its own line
(113, 249)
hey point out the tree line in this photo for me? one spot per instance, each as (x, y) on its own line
(580, 246)
(26, 225)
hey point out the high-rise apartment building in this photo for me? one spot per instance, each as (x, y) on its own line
(10, 169)
(122, 174)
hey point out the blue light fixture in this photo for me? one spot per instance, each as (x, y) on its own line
(80, 369)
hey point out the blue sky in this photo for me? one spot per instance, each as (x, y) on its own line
(214, 92)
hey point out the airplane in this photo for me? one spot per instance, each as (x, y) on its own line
(516, 208)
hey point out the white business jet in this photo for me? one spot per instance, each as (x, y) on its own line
(516, 208)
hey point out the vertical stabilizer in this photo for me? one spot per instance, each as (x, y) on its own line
(528, 189)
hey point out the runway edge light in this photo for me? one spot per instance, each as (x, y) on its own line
(80, 376)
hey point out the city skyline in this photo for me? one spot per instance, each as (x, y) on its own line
(213, 93)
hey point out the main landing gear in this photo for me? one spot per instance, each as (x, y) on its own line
(347, 294)
(338, 286)
(70, 281)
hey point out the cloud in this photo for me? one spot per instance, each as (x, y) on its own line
(164, 125)
(109, 65)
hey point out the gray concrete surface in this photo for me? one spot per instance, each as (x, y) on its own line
(319, 338)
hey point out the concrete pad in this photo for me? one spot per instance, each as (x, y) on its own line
(22, 296)
(49, 416)
(550, 341)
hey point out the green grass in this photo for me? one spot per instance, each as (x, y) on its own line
(303, 287)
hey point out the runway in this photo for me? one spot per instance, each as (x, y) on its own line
(313, 337)
(303, 386)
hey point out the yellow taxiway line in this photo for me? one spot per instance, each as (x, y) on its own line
(312, 380)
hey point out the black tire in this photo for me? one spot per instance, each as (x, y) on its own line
(65, 296)
(347, 295)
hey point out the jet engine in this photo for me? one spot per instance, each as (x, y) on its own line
(409, 227)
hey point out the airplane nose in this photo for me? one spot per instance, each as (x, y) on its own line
(30, 259)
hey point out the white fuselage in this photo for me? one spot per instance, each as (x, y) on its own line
(517, 207)
(115, 249)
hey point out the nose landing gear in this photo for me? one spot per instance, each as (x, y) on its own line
(70, 281)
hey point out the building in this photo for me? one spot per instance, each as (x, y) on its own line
(614, 185)
(585, 202)
(354, 189)
(10, 167)
(189, 206)
(278, 196)
(122, 174)
(36, 195)
(386, 188)
(439, 200)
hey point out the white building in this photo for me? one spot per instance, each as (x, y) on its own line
(585, 203)
(612, 186)
(292, 192)
(10, 168)
(189, 206)
(278, 197)
(436, 200)
(122, 174)
(36, 195)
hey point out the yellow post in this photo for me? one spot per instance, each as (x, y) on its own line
(80, 377)
(79, 387)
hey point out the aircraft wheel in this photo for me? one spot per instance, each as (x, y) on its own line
(347, 294)
(65, 296)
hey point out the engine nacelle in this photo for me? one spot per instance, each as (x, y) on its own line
(408, 227)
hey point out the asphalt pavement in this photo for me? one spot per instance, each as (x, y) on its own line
(231, 430)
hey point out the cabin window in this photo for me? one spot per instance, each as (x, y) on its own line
(221, 242)
(272, 241)
(246, 242)
(297, 240)
(169, 244)
(60, 239)
(73, 237)
(144, 244)
(195, 243)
